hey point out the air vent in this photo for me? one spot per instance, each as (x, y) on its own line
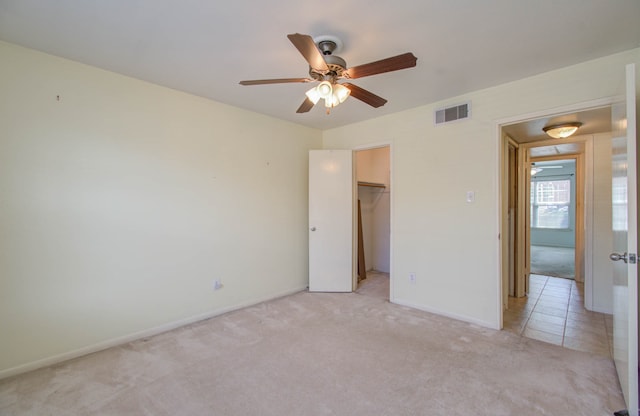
(449, 114)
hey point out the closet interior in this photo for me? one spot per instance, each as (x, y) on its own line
(374, 210)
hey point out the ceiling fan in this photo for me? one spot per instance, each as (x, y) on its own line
(328, 69)
(537, 168)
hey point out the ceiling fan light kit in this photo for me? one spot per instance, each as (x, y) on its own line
(340, 93)
(325, 90)
(328, 69)
(313, 95)
(562, 131)
(332, 94)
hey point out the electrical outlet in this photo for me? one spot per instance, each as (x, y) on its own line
(217, 284)
(412, 278)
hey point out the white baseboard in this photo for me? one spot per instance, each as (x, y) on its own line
(479, 322)
(55, 359)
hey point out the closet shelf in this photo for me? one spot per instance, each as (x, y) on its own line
(371, 184)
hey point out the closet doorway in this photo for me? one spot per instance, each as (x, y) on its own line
(373, 176)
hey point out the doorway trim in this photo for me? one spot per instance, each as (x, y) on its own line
(371, 146)
(502, 175)
(579, 206)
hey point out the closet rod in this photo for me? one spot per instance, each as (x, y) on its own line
(371, 184)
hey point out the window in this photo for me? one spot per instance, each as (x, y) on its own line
(550, 202)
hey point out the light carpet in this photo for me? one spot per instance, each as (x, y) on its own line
(323, 354)
(553, 261)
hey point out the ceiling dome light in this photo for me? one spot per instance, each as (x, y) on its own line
(562, 131)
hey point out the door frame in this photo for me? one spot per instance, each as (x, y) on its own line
(579, 208)
(370, 146)
(502, 174)
(509, 205)
(522, 222)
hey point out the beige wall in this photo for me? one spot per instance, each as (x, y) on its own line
(122, 201)
(450, 244)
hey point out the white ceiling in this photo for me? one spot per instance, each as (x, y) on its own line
(205, 47)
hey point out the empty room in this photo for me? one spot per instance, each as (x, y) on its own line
(240, 208)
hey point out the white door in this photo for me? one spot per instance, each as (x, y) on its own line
(625, 288)
(331, 197)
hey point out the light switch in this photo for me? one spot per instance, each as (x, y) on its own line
(471, 196)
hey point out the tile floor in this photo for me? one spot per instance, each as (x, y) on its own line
(554, 312)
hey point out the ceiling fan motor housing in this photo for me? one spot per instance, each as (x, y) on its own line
(327, 45)
(337, 67)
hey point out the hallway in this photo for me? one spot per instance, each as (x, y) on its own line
(554, 312)
(553, 261)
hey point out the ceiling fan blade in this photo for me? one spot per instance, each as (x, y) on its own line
(406, 60)
(365, 96)
(306, 105)
(275, 81)
(308, 49)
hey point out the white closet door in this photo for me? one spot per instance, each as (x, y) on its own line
(331, 199)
